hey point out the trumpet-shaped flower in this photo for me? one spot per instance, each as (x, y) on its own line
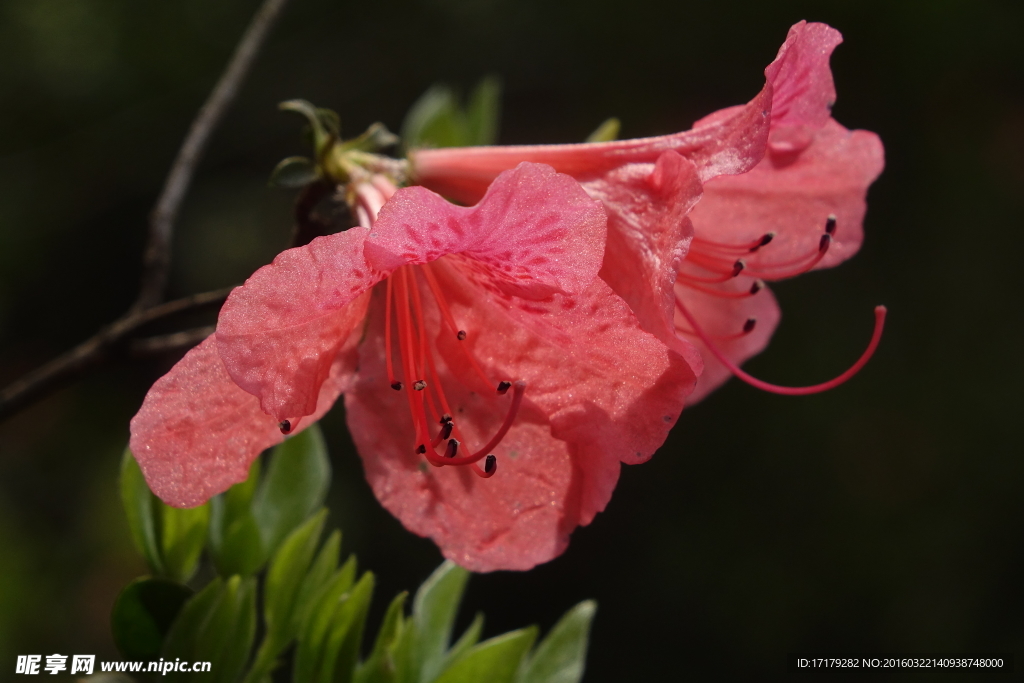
(493, 382)
(699, 220)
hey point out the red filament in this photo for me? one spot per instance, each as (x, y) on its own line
(775, 388)
(422, 384)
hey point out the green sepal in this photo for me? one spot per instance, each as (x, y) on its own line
(606, 132)
(433, 612)
(561, 656)
(293, 173)
(495, 660)
(143, 614)
(139, 508)
(324, 123)
(294, 487)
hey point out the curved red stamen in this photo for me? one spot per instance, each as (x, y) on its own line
(876, 336)
(518, 388)
(742, 247)
(776, 271)
(756, 287)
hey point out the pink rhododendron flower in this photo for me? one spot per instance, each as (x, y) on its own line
(469, 342)
(700, 219)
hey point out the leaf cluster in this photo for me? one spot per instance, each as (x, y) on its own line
(282, 605)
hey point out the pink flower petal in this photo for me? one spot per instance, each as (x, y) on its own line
(536, 227)
(197, 432)
(278, 333)
(724, 318)
(793, 197)
(599, 391)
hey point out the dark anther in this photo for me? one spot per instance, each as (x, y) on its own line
(748, 326)
(503, 387)
(421, 449)
(461, 335)
(444, 418)
(396, 385)
(830, 224)
(446, 430)
(419, 385)
(765, 239)
(453, 448)
(757, 286)
(490, 464)
(285, 426)
(738, 267)
(826, 240)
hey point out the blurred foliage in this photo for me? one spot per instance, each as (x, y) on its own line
(313, 611)
(884, 515)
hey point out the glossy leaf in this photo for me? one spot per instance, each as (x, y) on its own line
(294, 487)
(242, 550)
(492, 661)
(606, 132)
(483, 111)
(182, 537)
(233, 528)
(185, 632)
(139, 508)
(434, 610)
(143, 614)
(561, 656)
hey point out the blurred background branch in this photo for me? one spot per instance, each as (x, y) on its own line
(157, 256)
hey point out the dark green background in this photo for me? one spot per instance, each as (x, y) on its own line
(885, 515)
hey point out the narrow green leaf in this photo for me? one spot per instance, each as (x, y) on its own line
(242, 550)
(434, 120)
(293, 173)
(561, 656)
(314, 630)
(143, 614)
(483, 112)
(606, 132)
(492, 661)
(230, 506)
(184, 632)
(345, 637)
(287, 571)
(234, 653)
(379, 667)
(313, 116)
(182, 537)
(138, 504)
(434, 610)
(294, 487)
(319, 574)
(330, 120)
(469, 638)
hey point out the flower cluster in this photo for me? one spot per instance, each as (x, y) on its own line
(500, 360)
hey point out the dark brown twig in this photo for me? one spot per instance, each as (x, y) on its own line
(170, 342)
(92, 351)
(157, 258)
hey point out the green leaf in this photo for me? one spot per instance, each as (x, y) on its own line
(225, 529)
(379, 667)
(286, 574)
(185, 631)
(241, 551)
(606, 132)
(433, 612)
(434, 120)
(492, 661)
(143, 614)
(469, 638)
(345, 638)
(561, 656)
(138, 504)
(483, 112)
(182, 537)
(294, 488)
(315, 628)
(293, 173)
(317, 577)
